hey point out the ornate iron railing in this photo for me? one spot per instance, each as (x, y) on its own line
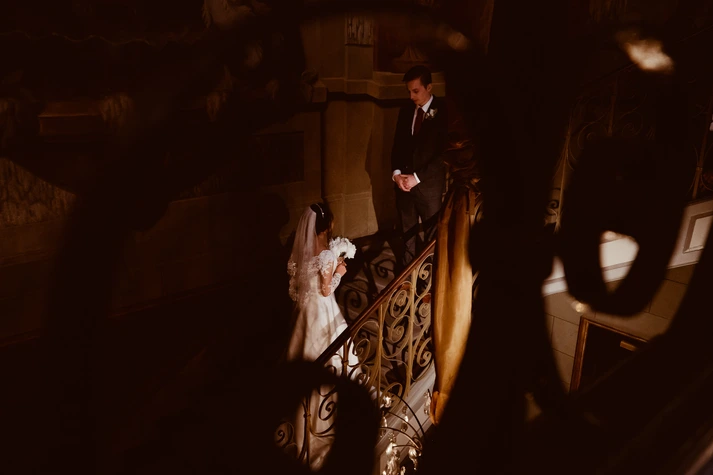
(386, 349)
(392, 338)
(377, 269)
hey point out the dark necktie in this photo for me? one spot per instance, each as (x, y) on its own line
(419, 120)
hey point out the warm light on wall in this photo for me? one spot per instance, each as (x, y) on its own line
(646, 53)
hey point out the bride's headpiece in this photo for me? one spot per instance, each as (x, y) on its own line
(320, 209)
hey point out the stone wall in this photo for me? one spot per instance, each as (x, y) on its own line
(203, 238)
(358, 124)
(338, 150)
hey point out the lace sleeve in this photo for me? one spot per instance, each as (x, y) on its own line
(328, 279)
(336, 279)
(292, 271)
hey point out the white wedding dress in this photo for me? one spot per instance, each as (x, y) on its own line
(319, 322)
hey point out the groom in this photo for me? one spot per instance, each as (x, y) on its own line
(417, 159)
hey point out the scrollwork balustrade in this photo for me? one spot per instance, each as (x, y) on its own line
(386, 350)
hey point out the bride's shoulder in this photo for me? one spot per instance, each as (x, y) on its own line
(325, 258)
(326, 254)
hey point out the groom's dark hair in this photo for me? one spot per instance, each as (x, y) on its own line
(419, 72)
(324, 217)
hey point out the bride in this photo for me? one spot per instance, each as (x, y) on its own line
(315, 273)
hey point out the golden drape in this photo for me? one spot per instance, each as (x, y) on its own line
(453, 291)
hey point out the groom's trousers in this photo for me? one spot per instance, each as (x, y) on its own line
(419, 203)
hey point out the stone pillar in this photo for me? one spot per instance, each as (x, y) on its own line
(358, 207)
(359, 45)
(334, 154)
(348, 127)
(379, 167)
(349, 165)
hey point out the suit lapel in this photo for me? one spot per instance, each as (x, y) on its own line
(408, 124)
(432, 106)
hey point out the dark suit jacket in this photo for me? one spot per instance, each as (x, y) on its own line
(422, 153)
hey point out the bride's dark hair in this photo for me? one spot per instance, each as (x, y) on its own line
(324, 217)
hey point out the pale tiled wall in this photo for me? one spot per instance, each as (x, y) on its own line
(564, 320)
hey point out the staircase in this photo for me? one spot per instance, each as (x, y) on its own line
(389, 331)
(371, 272)
(390, 321)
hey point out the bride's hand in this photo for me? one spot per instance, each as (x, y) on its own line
(341, 268)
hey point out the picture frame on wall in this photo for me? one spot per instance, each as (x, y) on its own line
(600, 349)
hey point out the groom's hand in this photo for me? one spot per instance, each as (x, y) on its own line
(409, 181)
(401, 182)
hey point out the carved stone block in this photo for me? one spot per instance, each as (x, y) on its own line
(360, 30)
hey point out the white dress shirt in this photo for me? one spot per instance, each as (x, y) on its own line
(413, 123)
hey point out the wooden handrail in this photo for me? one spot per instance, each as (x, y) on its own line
(346, 334)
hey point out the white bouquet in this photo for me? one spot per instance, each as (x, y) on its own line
(342, 247)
